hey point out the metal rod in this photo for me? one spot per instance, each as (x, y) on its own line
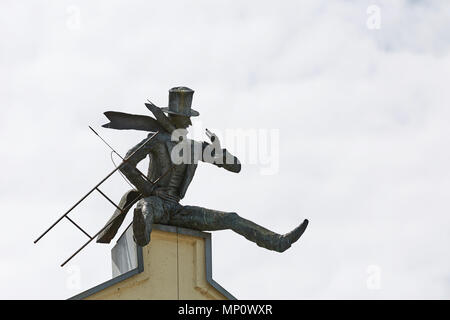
(141, 173)
(105, 142)
(98, 184)
(101, 230)
(76, 225)
(108, 224)
(106, 197)
(75, 205)
(162, 176)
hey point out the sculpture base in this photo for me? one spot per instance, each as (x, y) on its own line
(175, 265)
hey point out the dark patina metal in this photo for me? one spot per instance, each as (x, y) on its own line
(158, 193)
(160, 204)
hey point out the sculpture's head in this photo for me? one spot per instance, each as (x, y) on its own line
(180, 122)
(179, 110)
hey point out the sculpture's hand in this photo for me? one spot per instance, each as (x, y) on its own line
(214, 139)
(220, 157)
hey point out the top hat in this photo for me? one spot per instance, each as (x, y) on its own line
(180, 99)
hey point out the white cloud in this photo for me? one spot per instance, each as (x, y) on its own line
(362, 118)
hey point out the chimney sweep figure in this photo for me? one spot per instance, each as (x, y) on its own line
(159, 202)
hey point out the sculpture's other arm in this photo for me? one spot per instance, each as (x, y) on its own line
(129, 167)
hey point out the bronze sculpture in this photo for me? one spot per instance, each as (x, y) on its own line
(166, 183)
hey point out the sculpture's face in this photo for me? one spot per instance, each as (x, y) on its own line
(180, 122)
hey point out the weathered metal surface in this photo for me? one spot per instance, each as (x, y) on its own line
(126, 121)
(158, 193)
(162, 119)
(114, 223)
(180, 100)
(160, 204)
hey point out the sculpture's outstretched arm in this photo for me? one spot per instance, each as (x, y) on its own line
(223, 160)
(214, 154)
(234, 165)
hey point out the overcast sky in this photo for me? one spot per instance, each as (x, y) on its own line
(362, 114)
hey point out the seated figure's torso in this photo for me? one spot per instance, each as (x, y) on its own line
(159, 163)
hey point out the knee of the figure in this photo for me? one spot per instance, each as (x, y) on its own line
(138, 205)
(233, 215)
(142, 208)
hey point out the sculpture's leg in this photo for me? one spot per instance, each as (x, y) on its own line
(142, 222)
(207, 220)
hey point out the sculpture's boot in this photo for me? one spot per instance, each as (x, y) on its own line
(142, 226)
(289, 238)
(264, 237)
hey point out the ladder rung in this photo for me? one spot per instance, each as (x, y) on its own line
(76, 225)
